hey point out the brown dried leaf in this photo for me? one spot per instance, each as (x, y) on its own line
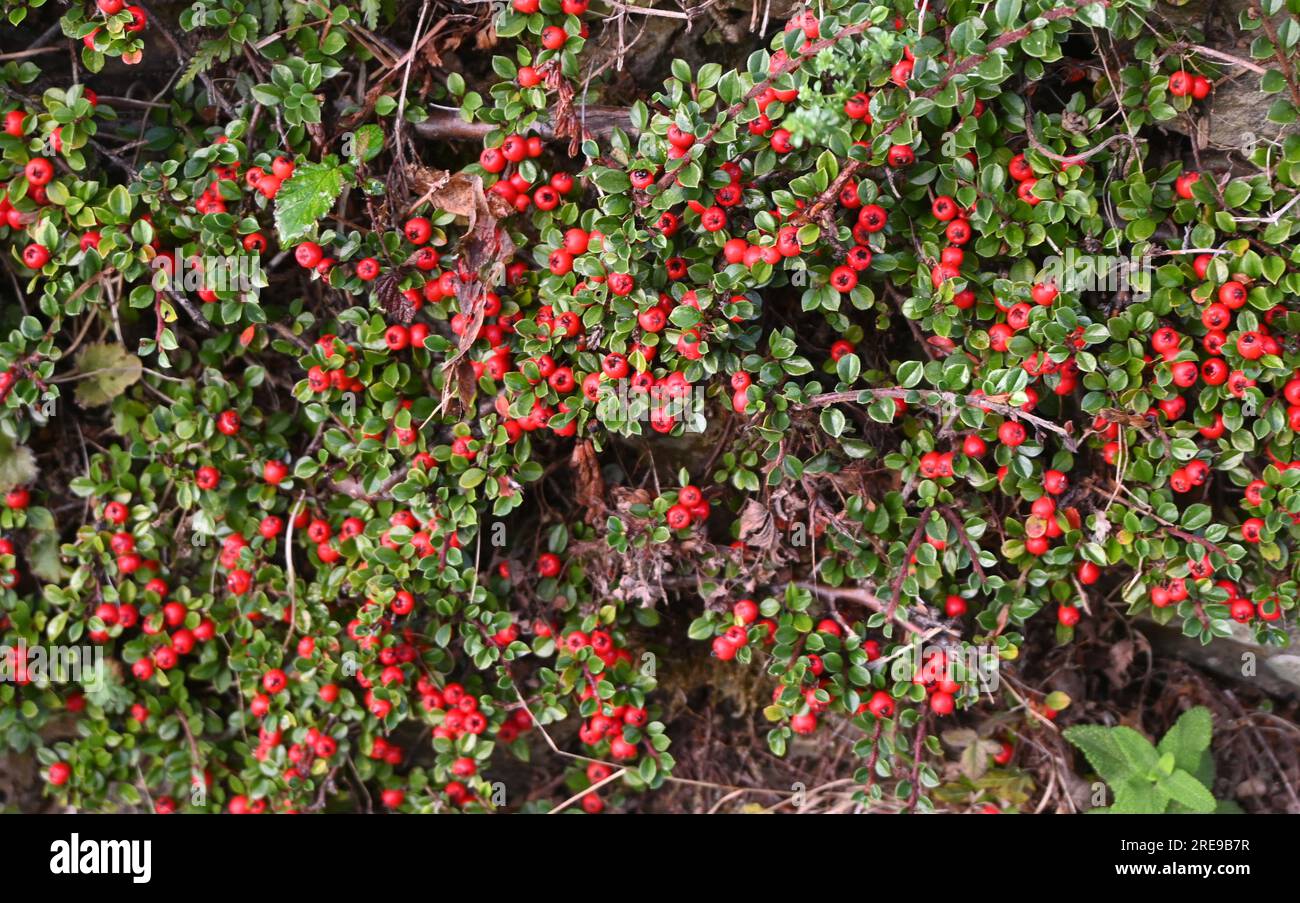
(428, 46)
(589, 486)
(454, 193)
(466, 385)
(483, 249)
(1121, 657)
(757, 528)
(472, 300)
(625, 499)
(395, 304)
(564, 121)
(458, 390)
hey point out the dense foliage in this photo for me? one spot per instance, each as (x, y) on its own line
(511, 389)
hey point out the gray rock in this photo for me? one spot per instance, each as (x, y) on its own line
(1275, 670)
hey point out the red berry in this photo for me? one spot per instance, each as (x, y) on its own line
(228, 423)
(35, 256)
(548, 564)
(417, 230)
(1088, 573)
(308, 254)
(554, 37)
(39, 171)
(942, 703)
(804, 723)
(1011, 433)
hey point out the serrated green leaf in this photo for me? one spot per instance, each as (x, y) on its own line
(307, 196)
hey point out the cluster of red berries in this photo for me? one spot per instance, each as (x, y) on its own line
(139, 19)
(936, 465)
(1253, 498)
(315, 745)
(323, 378)
(736, 636)
(592, 803)
(256, 179)
(1184, 84)
(165, 616)
(603, 731)
(426, 259)
(1043, 524)
(1169, 348)
(1243, 610)
(935, 674)
(690, 506)
(1020, 170)
(38, 172)
(516, 189)
(1172, 592)
(880, 704)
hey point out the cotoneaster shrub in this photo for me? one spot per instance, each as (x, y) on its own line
(411, 500)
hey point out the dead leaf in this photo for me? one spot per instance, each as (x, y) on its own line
(589, 486)
(395, 304)
(959, 737)
(428, 182)
(974, 761)
(17, 464)
(460, 387)
(1121, 657)
(625, 499)
(757, 528)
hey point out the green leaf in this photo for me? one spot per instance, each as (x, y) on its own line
(1196, 516)
(909, 373)
(1185, 790)
(1103, 752)
(1136, 749)
(781, 346)
(833, 421)
(1188, 738)
(307, 196)
(105, 371)
(367, 143)
(1138, 796)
